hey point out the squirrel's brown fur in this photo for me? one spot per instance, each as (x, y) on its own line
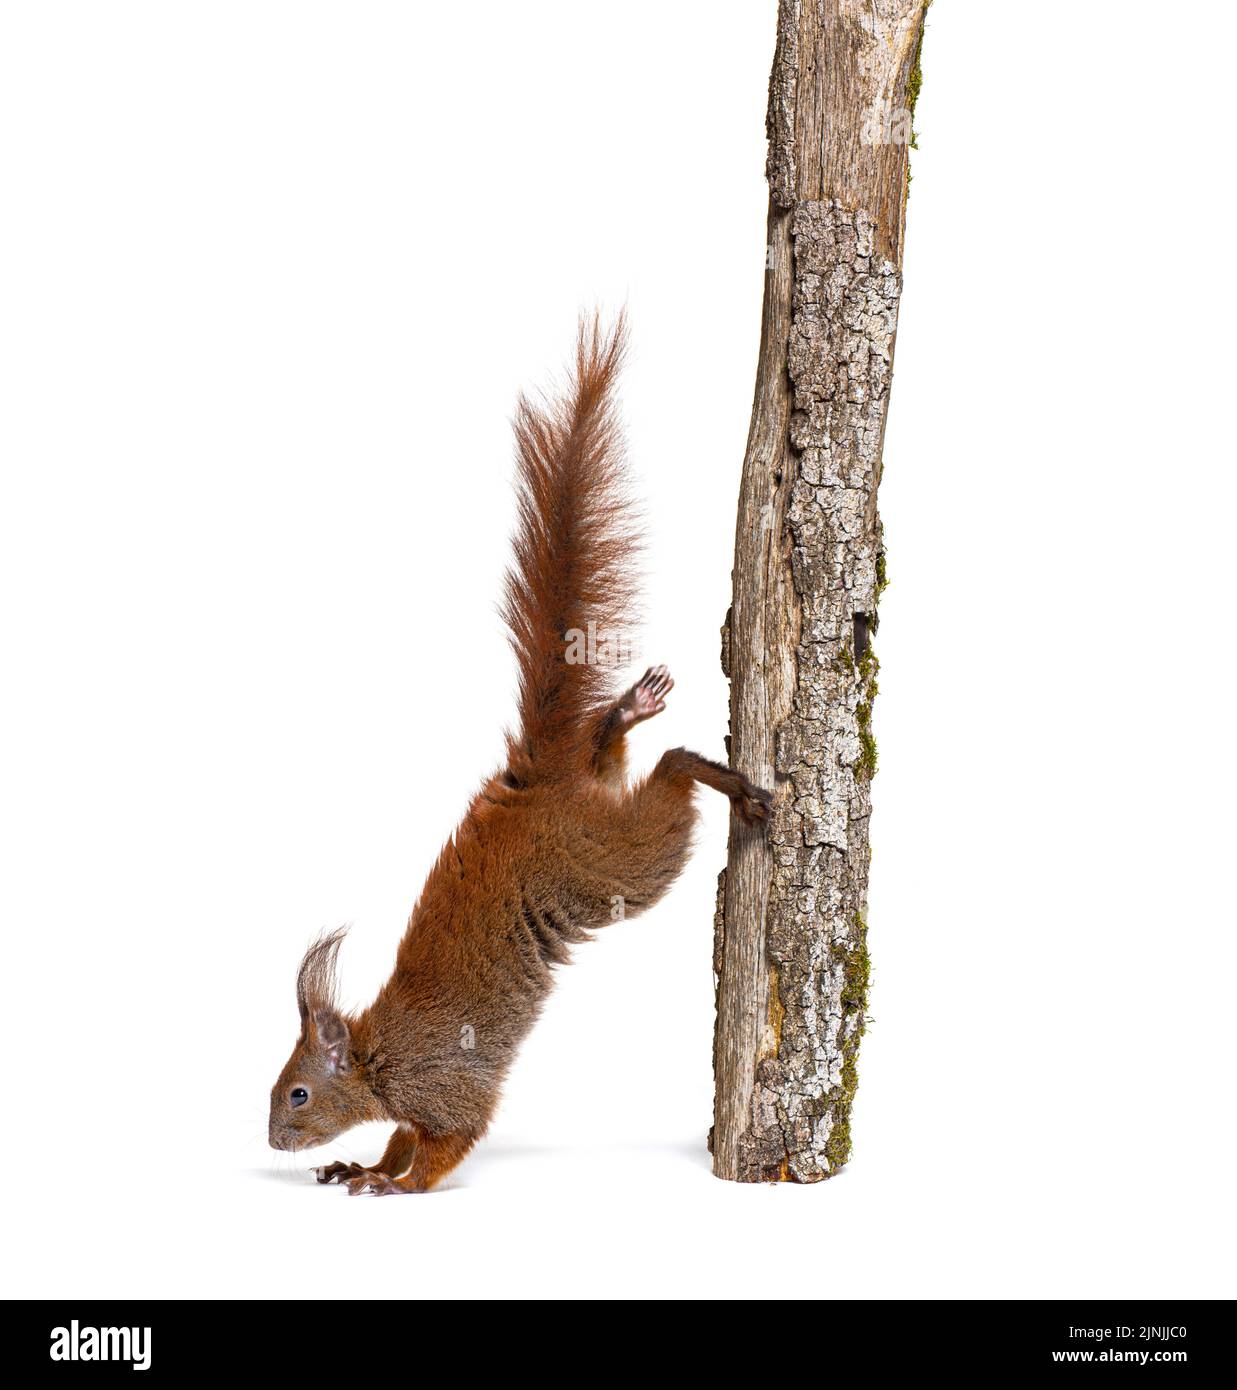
(553, 846)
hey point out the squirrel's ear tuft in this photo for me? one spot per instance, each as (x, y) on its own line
(334, 1038)
(315, 981)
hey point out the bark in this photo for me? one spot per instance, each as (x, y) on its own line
(790, 950)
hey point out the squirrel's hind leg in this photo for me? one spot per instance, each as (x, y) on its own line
(752, 804)
(645, 699)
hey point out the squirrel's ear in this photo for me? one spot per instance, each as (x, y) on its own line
(333, 1036)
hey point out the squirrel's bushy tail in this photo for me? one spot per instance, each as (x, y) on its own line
(569, 592)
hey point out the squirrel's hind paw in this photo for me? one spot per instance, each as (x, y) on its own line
(648, 696)
(753, 806)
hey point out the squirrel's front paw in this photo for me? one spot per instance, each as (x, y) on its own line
(370, 1180)
(337, 1172)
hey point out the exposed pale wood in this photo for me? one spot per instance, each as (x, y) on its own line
(790, 948)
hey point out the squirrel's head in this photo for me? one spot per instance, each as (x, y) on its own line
(322, 1090)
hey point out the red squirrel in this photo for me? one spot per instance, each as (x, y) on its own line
(549, 846)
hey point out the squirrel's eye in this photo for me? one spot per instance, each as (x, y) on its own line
(299, 1096)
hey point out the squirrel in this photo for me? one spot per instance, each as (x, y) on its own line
(555, 844)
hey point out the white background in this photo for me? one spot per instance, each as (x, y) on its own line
(271, 277)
